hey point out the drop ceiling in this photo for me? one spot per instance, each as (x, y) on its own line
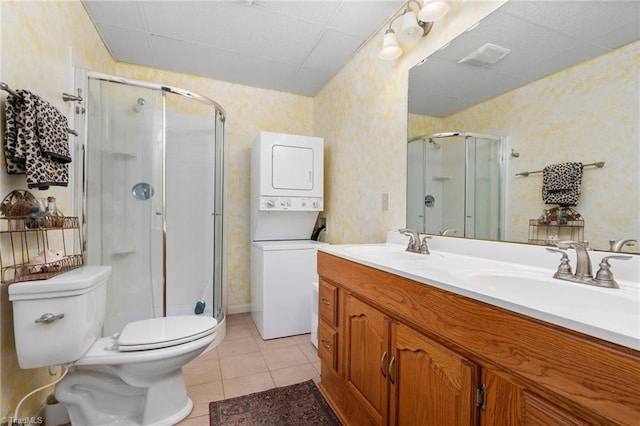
(290, 46)
(544, 37)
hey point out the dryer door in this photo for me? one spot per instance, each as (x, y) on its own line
(292, 167)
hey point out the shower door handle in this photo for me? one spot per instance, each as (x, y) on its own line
(142, 191)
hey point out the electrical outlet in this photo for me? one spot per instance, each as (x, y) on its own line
(385, 201)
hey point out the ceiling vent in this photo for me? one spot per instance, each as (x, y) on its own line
(485, 56)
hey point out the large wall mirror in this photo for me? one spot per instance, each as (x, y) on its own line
(532, 85)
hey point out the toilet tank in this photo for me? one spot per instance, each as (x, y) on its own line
(76, 302)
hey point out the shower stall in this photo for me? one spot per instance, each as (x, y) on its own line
(455, 185)
(153, 199)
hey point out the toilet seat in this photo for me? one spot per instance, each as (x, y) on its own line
(157, 333)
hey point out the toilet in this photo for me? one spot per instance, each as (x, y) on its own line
(130, 378)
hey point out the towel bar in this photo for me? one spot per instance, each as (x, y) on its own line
(598, 164)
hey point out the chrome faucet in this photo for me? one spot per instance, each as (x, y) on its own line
(415, 245)
(583, 261)
(583, 275)
(618, 245)
(446, 231)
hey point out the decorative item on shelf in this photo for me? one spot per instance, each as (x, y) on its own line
(36, 214)
(54, 215)
(556, 224)
(16, 204)
(46, 261)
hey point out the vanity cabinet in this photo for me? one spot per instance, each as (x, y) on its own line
(407, 353)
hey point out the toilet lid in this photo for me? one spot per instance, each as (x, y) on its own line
(158, 333)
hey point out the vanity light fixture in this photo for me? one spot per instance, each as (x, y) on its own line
(413, 26)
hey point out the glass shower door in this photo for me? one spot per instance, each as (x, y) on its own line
(484, 212)
(125, 198)
(190, 178)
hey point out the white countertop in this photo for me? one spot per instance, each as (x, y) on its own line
(516, 277)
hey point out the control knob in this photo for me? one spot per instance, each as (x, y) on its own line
(270, 203)
(315, 204)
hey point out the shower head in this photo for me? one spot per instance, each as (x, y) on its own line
(139, 105)
(436, 145)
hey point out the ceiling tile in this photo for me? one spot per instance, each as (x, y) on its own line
(319, 12)
(363, 18)
(190, 58)
(235, 28)
(584, 20)
(127, 45)
(332, 51)
(308, 81)
(124, 14)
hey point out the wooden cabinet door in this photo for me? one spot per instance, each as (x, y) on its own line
(430, 384)
(503, 403)
(366, 339)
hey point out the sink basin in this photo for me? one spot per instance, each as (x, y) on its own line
(527, 287)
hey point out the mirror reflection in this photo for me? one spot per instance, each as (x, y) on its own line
(535, 86)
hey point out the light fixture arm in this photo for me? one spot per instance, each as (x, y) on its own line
(426, 26)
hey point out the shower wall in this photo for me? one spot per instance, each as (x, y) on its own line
(154, 201)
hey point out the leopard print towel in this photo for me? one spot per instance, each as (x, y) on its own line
(561, 184)
(36, 141)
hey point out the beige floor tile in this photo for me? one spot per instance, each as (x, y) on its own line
(234, 347)
(201, 371)
(238, 331)
(195, 421)
(265, 345)
(290, 375)
(236, 319)
(210, 354)
(317, 366)
(202, 395)
(242, 365)
(245, 385)
(310, 351)
(254, 331)
(301, 339)
(284, 357)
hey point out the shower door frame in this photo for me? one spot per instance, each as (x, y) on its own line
(503, 142)
(219, 113)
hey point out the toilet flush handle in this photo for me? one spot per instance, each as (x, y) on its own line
(48, 318)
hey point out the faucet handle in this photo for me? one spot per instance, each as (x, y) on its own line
(604, 276)
(564, 269)
(424, 248)
(571, 244)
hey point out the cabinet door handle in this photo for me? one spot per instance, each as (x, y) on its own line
(384, 356)
(393, 361)
(325, 302)
(325, 345)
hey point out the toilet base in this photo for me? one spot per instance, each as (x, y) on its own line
(96, 396)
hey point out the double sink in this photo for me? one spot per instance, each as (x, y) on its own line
(609, 314)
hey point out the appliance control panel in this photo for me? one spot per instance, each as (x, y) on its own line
(291, 203)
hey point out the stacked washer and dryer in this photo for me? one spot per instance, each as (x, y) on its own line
(287, 173)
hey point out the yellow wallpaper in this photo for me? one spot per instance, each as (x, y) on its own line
(586, 113)
(420, 125)
(40, 41)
